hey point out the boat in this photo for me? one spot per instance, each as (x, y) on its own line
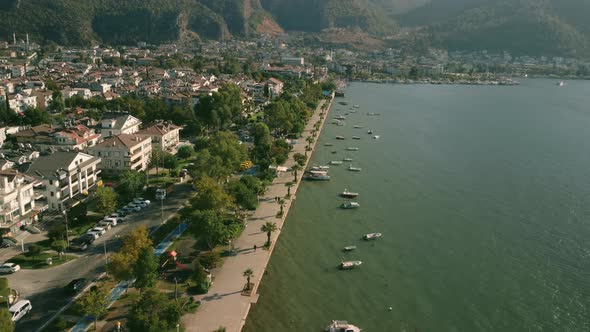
(354, 169)
(347, 266)
(336, 162)
(343, 103)
(328, 144)
(350, 205)
(339, 93)
(340, 117)
(347, 159)
(355, 137)
(349, 248)
(560, 83)
(340, 137)
(370, 132)
(320, 168)
(372, 236)
(352, 149)
(316, 176)
(341, 124)
(342, 326)
(335, 121)
(348, 194)
(358, 127)
(334, 151)
(376, 137)
(356, 106)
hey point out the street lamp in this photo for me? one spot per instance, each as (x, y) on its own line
(177, 327)
(67, 231)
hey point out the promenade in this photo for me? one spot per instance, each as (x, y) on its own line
(224, 305)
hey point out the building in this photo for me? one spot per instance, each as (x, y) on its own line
(275, 87)
(66, 177)
(124, 152)
(45, 137)
(165, 135)
(17, 200)
(118, 124)
(293, 61)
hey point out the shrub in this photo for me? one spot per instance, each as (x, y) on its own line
(210, 259)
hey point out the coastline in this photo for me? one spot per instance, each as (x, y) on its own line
(224, 305)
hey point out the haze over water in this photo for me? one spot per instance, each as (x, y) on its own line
(482, 194)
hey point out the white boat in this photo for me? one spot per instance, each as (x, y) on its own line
(341, 124)
(320, 168)
(347, 159)
(317, 176)
(355, 137)
(354, 169)
(370, 132)
(376, 137)
(356, 106)
(560, 83)
(372, 236)
(340, 117)
(336, 162)
(336, 122)
(349, 248)
(352, 149)
(350, 265)
(350, 205)
(358, 127)
(348, 194)
(340, 137)
(342, 326)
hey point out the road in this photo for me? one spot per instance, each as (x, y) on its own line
(44, 288)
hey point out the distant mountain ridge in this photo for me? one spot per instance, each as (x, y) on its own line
(551, 27)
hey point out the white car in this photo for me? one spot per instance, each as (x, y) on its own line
(112, 221)
(134, 207)
(9, 268)
(96, 231)
(104, 224)
(147, 202)
(138, 200)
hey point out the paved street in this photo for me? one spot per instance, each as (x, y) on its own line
(45, 287)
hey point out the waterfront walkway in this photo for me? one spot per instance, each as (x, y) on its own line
(224, 305)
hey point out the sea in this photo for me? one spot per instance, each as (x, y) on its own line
(482, 194)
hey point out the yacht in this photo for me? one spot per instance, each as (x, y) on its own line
(340, 137)
(342, 326)
(354, 169)
(350, 205)
(372, 236)
(352, 149)
(348, 194)
(349, 248)
(347, 159)
(350, 265)
(317, 176)
(355, 137)
(336, 162)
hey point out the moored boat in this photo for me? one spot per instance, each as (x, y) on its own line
(340, 137)
(348, 194)
(340, 117)
(355, 137)
(349, 248)
(352, 148)
(358, 127)
(350, 265)
(354, 169)
(376, 137)
(350, 205)
(370, 132)
(342, 326)
(347, 159)
(320, 168)
(316, 176)
(356, 106)
(372, 236)
(328, 144)
(335, 162)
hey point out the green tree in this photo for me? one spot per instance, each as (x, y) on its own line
(153, 312)
(185, 151)
(59, 246)
(210, 195)
(95, 303)
(35, 117)
(225, 145)
(210, 227)
(243, 196)
(248, 274)
(135, 242)
(145, 269)
(289, 185)
(34, 251)
(299, 159)
(121, 267)
(106, 200)
(268, 227)
(132, 183)
(169, 161)
(199, 276)
(57, 102)
(6, 323)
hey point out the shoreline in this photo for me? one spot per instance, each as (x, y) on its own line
(224, 305)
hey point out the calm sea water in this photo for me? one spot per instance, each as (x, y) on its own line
(483, 198)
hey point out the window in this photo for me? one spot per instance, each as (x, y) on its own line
(50, 182)
(51, 194)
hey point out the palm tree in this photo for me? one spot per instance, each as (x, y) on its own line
(269, 227)
(289, 185)
(281, 204)
(295, 168)
(248, 274)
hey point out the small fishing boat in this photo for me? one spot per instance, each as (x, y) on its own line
(340, 117)
(329, 144)
(354, 169)
(355, 137)
(370, 132)
(372, 236)
(347, 159)
(342, 326)
(349, 248)
(340, 137)
(376, 137)
(358, 127)
(334, 151)
(341, 124)
(350, 205)
(349, 265)
(560, 83)
(352, 149)
(356, 106)
(336, 162)
(348, 194)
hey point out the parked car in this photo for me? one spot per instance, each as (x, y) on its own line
(127, 209)
(94, 233)
(135, 207)
(88, 238)
(32, 229)
(76, 286)
(7, 243)
(120, 214)
(80, 244)
(19, 309)
(112, 221)
(138, 200)
(9, 268)
(104, 224)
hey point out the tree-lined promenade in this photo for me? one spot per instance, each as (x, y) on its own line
(228, 301)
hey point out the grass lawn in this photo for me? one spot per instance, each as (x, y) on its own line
(81, 226)
(39, 261)
(159, 180)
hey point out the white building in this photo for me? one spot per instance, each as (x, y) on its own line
(66, 176)
(17, 199)
(124, 152)
(165, 135)
(122, 124)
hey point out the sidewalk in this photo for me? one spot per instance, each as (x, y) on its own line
(224, 305)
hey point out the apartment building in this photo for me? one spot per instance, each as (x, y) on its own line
(113, 125)
(165, 135)
(17, 200)
(124, 152)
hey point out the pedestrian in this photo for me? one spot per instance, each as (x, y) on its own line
(254, 247)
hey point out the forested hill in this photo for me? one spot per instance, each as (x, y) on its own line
(559, 27)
